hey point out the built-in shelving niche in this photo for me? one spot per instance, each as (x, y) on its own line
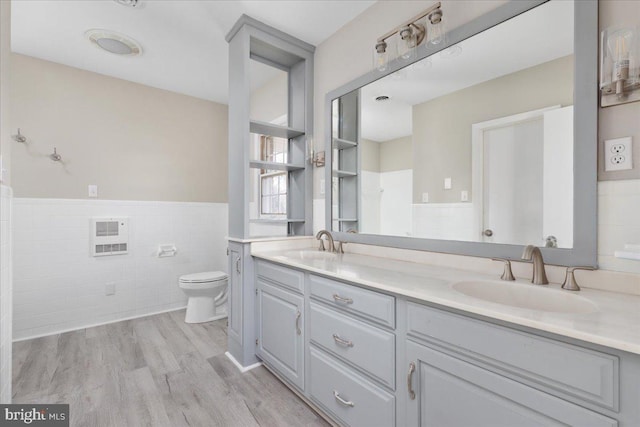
(250, 41)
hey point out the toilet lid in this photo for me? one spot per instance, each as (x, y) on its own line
(207, 276)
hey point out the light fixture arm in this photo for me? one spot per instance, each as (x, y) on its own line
(413, 22)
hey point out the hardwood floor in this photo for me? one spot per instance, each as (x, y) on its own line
(153, 371)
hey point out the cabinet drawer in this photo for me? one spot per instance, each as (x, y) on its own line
(371, 305)
(367, 347)
(561, 369)
(348, 396)
(284, 276)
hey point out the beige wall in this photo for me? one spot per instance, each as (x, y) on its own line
(442, 127)
(396, 154)
(270, 101)
(5, 49)
(135, 142)
(393, 155)
(369, 155)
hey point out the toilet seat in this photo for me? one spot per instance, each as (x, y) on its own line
(205, 277)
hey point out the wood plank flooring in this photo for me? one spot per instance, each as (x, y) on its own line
(152, 371)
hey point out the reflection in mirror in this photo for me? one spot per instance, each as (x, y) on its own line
(268, 196)
(474, 143)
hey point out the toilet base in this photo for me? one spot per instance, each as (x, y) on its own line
(202, 309)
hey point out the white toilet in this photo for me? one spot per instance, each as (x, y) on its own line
(207, 293)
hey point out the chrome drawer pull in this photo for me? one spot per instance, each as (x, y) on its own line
(341, 341)
(342, 401)
(238, 265)
(298, 314)
(412, 394)
(338, 298)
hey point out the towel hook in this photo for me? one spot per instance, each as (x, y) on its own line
(19, 137)
(55, 156)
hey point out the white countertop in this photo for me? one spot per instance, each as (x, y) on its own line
(615, 323)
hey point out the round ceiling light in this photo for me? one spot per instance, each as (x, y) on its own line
(113, 42)
(382, 98)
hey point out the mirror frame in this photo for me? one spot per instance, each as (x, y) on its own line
(585, 156)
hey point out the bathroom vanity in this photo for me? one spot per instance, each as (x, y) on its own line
(380, 342)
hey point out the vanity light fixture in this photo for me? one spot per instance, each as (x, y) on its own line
(620, 65)
(411, 33)
(113, 42)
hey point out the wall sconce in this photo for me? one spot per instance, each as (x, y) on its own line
(619, 66)
(411, 33)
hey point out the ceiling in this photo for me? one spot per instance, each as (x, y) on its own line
(182, 41)
(538, 36)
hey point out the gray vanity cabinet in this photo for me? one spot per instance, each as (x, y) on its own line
(452, 392)
(280, 327)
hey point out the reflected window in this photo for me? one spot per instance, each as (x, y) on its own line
(273, 183)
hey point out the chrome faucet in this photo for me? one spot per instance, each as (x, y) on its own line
(321, 233)
(532, 253)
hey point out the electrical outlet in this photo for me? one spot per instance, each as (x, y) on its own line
(93, 190)
(618, 154)
(110, 289)
(464, 196)
(447, 184)
(425, 197)
(322, 186)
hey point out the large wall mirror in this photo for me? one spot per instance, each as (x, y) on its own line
(479, 147)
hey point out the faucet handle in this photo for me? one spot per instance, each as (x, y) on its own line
(570, 283)
(507, 274)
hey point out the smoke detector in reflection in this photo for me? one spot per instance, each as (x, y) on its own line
(114, 42)
(382, 98)
(129, 3)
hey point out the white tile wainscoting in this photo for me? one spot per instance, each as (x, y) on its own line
(59, 286)
(6, 304)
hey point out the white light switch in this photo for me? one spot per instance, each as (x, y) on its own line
(93, 190)
(447, 183)
(425, 197)
(464, 196)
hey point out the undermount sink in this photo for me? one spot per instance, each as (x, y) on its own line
(311, 255)
(531, 297)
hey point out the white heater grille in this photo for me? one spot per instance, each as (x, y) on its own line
(109, 236)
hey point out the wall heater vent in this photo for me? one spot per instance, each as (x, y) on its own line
(109, 236)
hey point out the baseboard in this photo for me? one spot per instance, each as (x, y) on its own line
(241, 368)
(108, 322)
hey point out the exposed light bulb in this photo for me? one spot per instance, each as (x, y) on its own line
(407, 45)
(436, 29)
(380, 56)
(619, 44)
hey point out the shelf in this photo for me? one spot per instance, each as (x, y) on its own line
(259, 164)
(264, 128)
(344, 174)
(341, 144)
(275, 220)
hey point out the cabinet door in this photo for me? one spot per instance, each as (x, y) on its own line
(451, 392)
(235, 295)
(281, 331)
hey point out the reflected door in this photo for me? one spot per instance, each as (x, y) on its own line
(513, 183)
